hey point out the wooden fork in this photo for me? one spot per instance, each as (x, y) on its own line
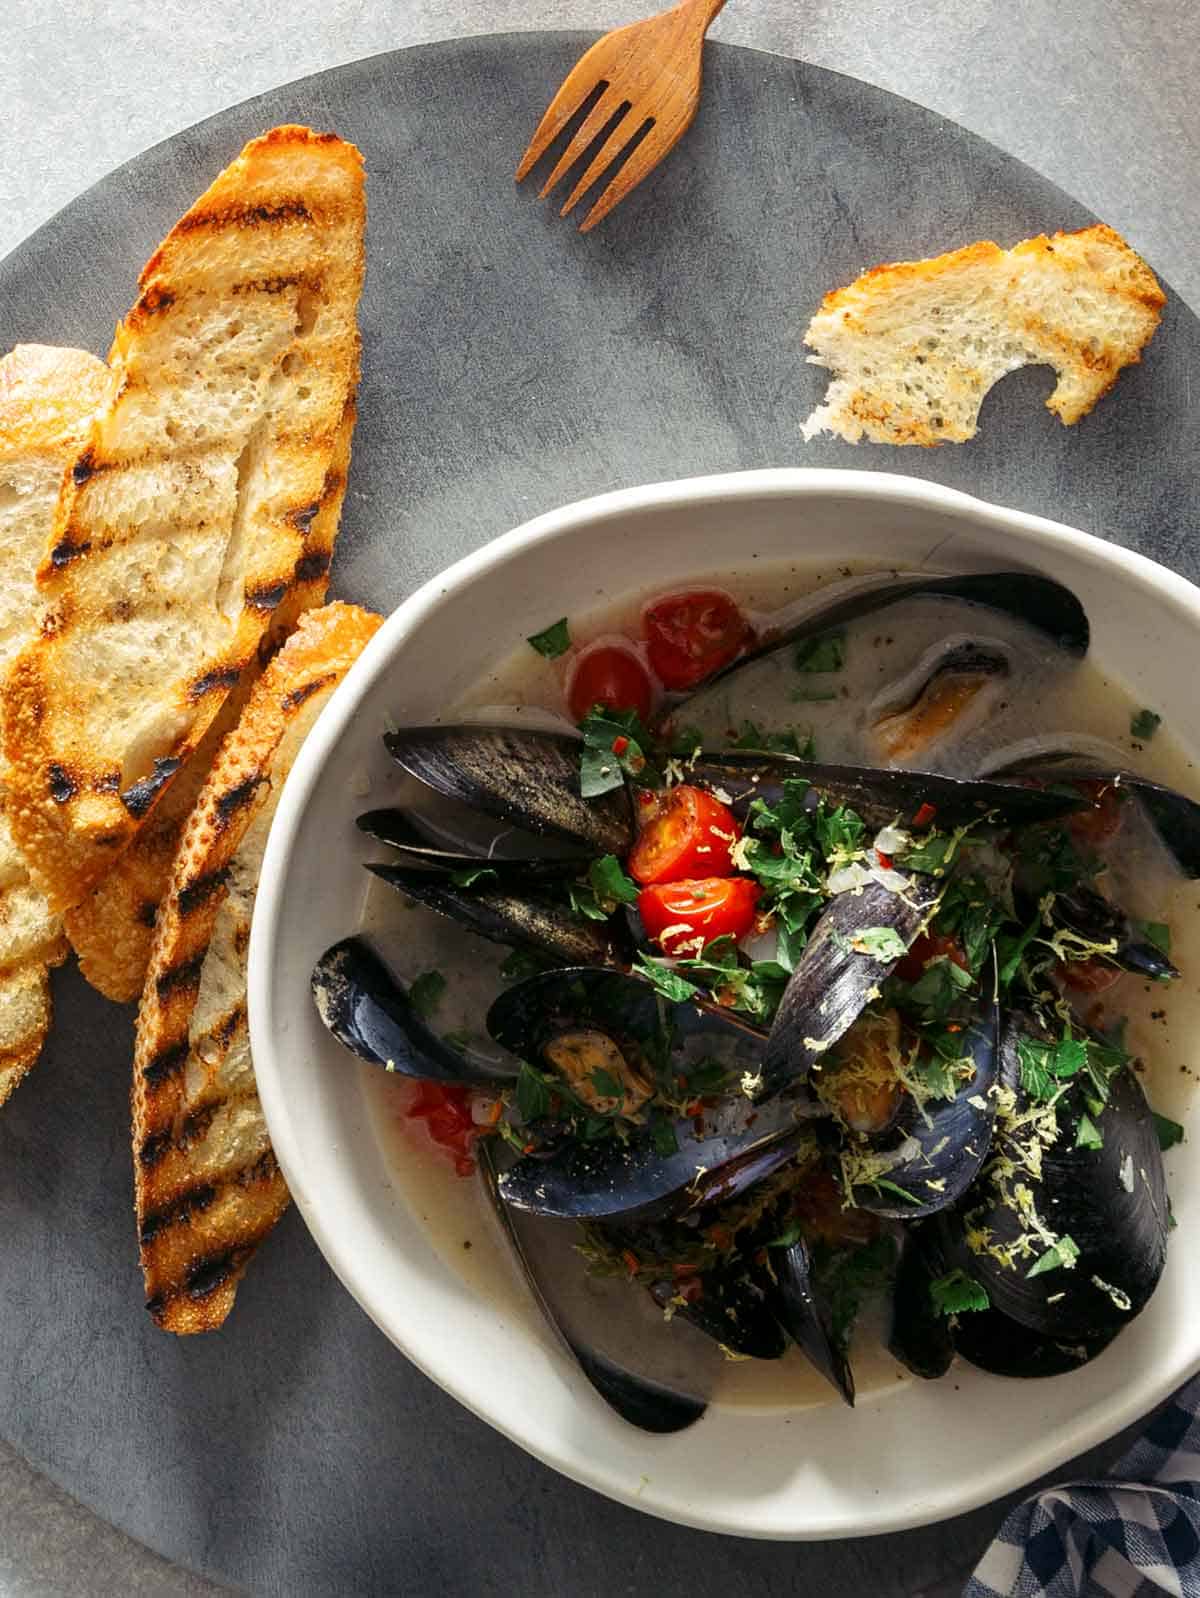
(648, 75)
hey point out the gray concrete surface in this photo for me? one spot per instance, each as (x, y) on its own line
(1098, 97)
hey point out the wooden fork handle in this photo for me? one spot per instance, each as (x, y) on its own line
(703, 11)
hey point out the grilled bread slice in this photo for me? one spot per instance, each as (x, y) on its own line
(207, 1187)
(46, 399)
(182, 521)
(112, 930)
(915, 347)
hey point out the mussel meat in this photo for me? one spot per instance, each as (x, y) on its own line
(954, 687)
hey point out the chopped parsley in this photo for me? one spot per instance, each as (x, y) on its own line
(1044, 1066)
(553, 641)
(1156, 932)
(425, 993)
(522, 963)
(1168, 1132)
(614, 747)
(825, 652)
(666, 979)
(1143, 724)
(882, 943)
(470, 876)
(1088, 1135)
(532, 1094)
(610, 884)
(848, 1276)
(790, 741)
(957, 1292)
(1064, 1253)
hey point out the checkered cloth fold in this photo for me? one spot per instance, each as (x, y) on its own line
(1134, 1534)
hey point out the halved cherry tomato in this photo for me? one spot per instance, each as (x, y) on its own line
(928, 947)
(685, 916)
(1101, 822)
(693, 634)
(446, 1111)
(1088, 976)
(609, 675)
(689, 835)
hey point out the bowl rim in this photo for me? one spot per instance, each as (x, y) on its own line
(1022, 1465)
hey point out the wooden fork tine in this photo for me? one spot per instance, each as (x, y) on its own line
(640, 164)
(591, 125)
(583, 77)
(623, 135)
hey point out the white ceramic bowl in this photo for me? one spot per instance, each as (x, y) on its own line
(920, 1453)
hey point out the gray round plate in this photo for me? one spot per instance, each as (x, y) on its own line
(510, 365)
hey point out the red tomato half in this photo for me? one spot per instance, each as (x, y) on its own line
(690, 835)
(676, 914)
(1099, 824)
(691, 635)
(1087, 976)
(928, 947)
(610, 675)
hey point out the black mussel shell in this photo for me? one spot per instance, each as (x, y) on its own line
(736, 1146)
(1037, 601)
(784, 1274)
(417, 852)
(519, 920)
(1174, 816)
(650, 1405)
(991, 1342)
(832, 984)
(965, 659)
(920, 1336)
(1082, 910)
(369, 1012)
(530, 779)
(879, 794)
(1111, 1201)
(732, 1309)
(938, 1152)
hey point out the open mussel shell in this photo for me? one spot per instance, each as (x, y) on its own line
(1111, 1201)
(732, 1309)
(651, 1405)
(414, 850)
(516, 919)
(879, 794)
(832, 983)
(526, 778)
(369, 1012)
(1089, 914)
(734, 1147)
(1174, 817)
(784, 1274)
(935, 1152)
(920, 1336)
(1037, 601)
(938, 699)
(992, 1342)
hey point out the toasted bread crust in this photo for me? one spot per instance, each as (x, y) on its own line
(207, 1188)
(112, 930)
(183, 518)
(904, 371)
(47, 396)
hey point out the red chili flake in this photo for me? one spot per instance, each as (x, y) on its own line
(924, 815)
(953, 1026)
(620, 744)
(645, 797)
(885, 860)
(690, 1289)
(632, 1263)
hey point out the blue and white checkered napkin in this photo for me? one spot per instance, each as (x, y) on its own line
(1134, 1534)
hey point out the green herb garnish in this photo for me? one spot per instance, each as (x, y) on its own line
(956, 1292)
(610, 884)
(881, 943)
(553, 642)
(1143, 724)
(1063, 1253)
(668, 981)
(425, 993)
(533, 1094)
(1088, 1135)
(614, 747)
(1167, 1131)
(826, 652)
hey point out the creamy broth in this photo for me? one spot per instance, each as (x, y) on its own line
(1045, 693)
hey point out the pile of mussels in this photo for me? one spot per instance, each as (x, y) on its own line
(968, 1126)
